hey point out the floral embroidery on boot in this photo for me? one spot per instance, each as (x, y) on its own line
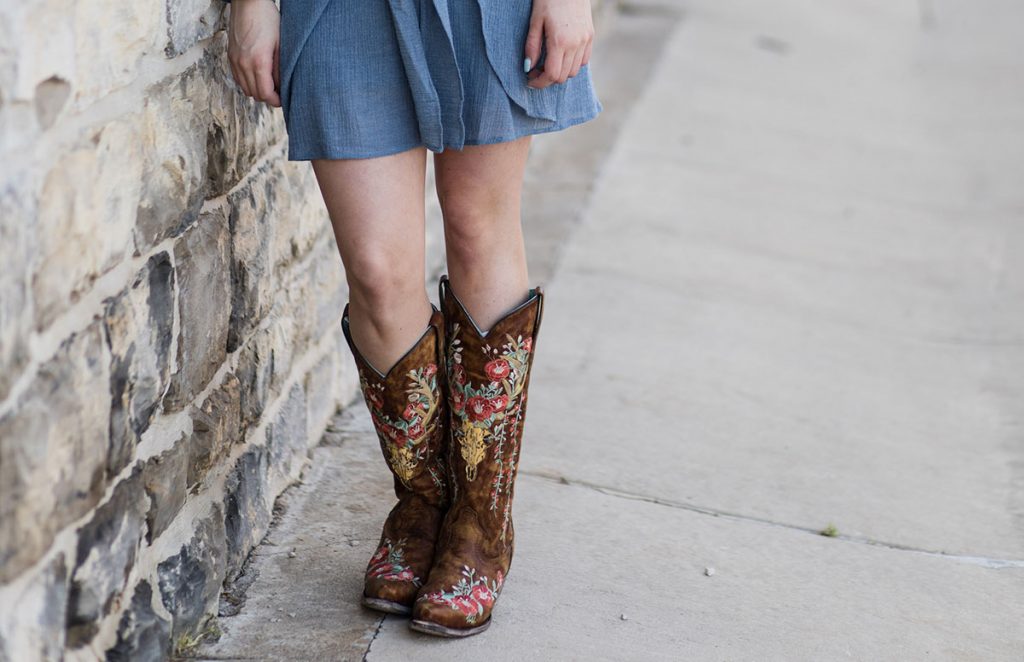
(487, 380)
(409, 413)
(389, 564)
(470, 596)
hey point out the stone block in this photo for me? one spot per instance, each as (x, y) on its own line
(204, 306)
(190, 21)
(164, 477)
(287, 435)
(255, 372)
(242, 129)
(35, 630)
(53, 449)
(190, 580)
(17, 246)
(110, 41)
(252, 278)
(107, 548)
(322, 385)
(138, 324)
(246, 507)
(216, 426)
(142, 634)
(175, 123)
(87, 210)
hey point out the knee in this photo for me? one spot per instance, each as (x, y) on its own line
(379, 279)
(473, 220)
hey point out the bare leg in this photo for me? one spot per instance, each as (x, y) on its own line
(480, 189)
(376, 209)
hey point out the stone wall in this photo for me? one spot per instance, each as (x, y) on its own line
(170, 294)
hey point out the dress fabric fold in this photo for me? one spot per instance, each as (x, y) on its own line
(363, 78)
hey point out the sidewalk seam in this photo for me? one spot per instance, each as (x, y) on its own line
(981, 561)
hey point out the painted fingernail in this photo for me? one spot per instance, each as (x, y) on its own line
(527, 65)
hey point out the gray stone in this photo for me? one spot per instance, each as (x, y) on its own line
(53, 449)
(255, 371)
(164, 477)
(204, 291)
(189, 22)
(50, 98)
(142, 634)
(17, 246)
(252, 278)
(175, 124)
(35, 629)
(246, 506)
(287, 437)
(107, 548)
(87, 211)
(322, 384)
(242, 129)
(190, 580)
(138, 325)
(216, 426)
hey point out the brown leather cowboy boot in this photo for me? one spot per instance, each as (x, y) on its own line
(409, 412)
(487, 379)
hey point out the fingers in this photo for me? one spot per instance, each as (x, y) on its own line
(265, 85)
(533, 44)
(566, 55)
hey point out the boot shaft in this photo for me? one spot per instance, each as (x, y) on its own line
(487, 376)
(409, 411)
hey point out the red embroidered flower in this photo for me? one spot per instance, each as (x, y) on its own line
(379, 555)
(459, 374)
(467, 606)
(483, 595)
(410, 412)
(430, 370)
(416, 431)
(499, 402)
(385, 569)
(375, 398)
(497, 369)
(479, 408)
(528, 345)
(458, 401)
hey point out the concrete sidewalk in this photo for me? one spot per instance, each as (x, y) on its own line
(795, 303)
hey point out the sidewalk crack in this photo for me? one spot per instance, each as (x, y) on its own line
(376, 632)
(982, 561)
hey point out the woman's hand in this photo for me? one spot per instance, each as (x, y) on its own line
(566, 28)
(254, 35)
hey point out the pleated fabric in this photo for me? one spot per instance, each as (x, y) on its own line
(365, 78)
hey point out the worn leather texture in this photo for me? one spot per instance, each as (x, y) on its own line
(409, 412)
(487, 376)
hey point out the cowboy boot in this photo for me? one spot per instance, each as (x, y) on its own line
(409, 412)
(487, 376)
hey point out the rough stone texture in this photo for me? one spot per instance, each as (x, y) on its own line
(165, 477)
(107, 548)
(190, 21)
(53, 450)
(142, 635)
(17, 245)
(138, 325)
(252, 228)
(246, 508)
(204, 291)
(36, 628)
(255, 373)
(87, 210)
(167, 278)
(287, 435)
(173, 135)
(216, 426)
(190, 580)
(241, 130)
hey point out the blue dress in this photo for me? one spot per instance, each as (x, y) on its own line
(364, 78)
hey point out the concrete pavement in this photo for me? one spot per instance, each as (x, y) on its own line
(793, 302)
